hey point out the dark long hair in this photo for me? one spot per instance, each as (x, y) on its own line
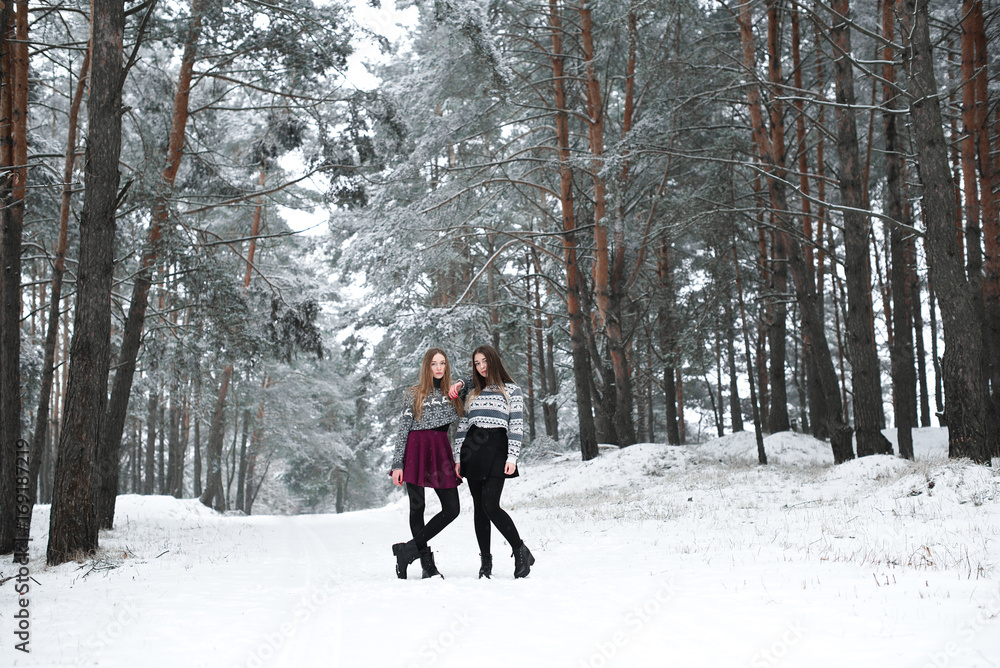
(496, 374)
(425, 385)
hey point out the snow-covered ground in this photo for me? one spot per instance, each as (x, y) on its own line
(648, 556)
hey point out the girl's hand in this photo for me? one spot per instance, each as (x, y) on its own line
(458, 469)
(509, 468)
(397, 477)
(453, 390)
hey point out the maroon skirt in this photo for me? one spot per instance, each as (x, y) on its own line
(428, 461)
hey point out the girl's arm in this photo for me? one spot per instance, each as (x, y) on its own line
(515, 426)
(403, 431)
(463, 427)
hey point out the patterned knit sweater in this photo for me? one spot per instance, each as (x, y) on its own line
(490, 410)
(437, 411)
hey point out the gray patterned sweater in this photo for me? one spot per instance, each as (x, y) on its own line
(492, 410)
(437, 411)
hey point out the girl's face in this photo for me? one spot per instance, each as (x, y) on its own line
(480, 363)
(439, 365)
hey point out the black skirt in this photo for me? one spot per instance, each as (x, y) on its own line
(484, 454)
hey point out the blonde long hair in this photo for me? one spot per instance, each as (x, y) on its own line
(425, 386)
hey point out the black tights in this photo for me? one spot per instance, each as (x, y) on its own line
(449, 511)
(486, 502)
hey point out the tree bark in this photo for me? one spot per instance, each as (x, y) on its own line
(73, 527)
(869, 417)
(548, 406)
(668, 343)
(991, 227)
(214, 496)
(39, 438)
(965, 410)
(607, 274)
(805, 290)
(777, 414)
(241, 478)
(175, 448)
(735, 411)
(151, 430)
(132, 337)
(903, 377)
(758, 431)
(918, 330)
(813, 389)
(197, 431)
(12, 200)
(161, 475)
(935, 358)
(581, 357)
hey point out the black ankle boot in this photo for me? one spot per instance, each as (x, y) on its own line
(522, 561)
(486, 570)
(406, 553)
(427, 563)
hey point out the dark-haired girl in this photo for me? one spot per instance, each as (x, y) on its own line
(488, 444)
(423, 458)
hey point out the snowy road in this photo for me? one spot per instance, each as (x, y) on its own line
(664, 565)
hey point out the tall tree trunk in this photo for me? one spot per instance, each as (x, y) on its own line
(114, 425)
(821, 210)
(150, 459)
(935, 358)
(805, 290)
(973, 229)
(241, 479)
(918, 328)
(39, 438)
(161, 477)
(681, 426)
(965, 410)
(581, 357)
(668, 344)
(606, 273)
(765, 313)
(967, 148)
(716, 408)
(214, 496)
(552, 408)
(813, 389)
(991, 226)
(777, 414)
(12, 191)
(903, 378)
(956, 160)
(735, 411)
(757, 428)
(73, 526)
(543, 376)
(175, 483)
(869, 417)
(197, 490)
